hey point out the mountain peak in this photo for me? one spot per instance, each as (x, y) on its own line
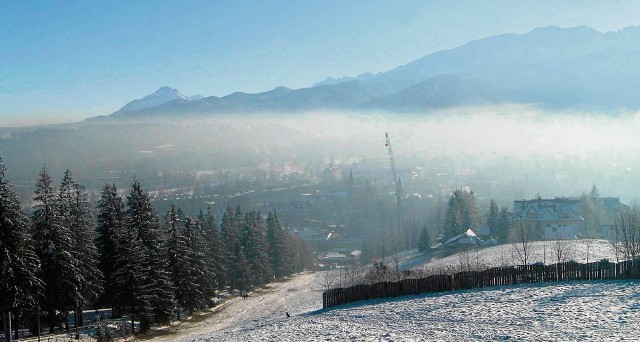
(555, 32)
(161, 96)
(166, 91)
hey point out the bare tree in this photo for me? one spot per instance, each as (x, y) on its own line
(562, 249)
(615, 246)
(469, 260)
(328, 280)
(396, 263)
(464, 258)
(588, 242)
(522, 245)
(627, 232)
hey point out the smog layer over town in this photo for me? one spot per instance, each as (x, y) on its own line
(311, 171)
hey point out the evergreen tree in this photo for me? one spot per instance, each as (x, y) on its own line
(187, 261)
(504, 226)
(424, 242)
(195, 266)
(54, 249)
(110, 221)
(256, 248)
(162, 301)
(493, 217)
(176, 252)
(132, 286)
(141, 218)
(75, 213)
(19, 264)
(239, 270)
(214, 252)
(277, 247)
(230, 231)
(461, 214)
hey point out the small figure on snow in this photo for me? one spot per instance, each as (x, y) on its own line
(287, 314)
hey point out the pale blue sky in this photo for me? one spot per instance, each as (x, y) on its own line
(68, 60)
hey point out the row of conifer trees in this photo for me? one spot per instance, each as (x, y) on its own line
(66, 257)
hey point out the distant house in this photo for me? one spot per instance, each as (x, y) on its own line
(555, 232)
(483, 232)
(541, 216)
(336, 258)
(561, 217)
(466, 239)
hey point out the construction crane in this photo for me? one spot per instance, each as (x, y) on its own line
(399, 192)
(396, 179)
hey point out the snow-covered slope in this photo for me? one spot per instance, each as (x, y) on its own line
(541, 251)
(298, 296)
(566, 311)
(575, 311)
(578, 311)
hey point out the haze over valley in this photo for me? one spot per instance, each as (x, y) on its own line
(258, 151)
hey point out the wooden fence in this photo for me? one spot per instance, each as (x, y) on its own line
(496, 276)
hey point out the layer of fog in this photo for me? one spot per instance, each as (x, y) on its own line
(506, 152)
(514, 131)
(523, 151)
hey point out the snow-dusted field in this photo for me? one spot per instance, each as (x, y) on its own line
(568, 311)
(506, 255)
(298, 296)
(578, 311)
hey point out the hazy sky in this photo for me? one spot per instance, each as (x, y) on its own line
(67, 60)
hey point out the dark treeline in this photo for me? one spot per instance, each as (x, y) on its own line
(62, 258)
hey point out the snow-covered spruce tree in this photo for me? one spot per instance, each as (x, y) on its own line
(277, 246)
(110, 222)
(240, 278)
(74, 210)
(132, 288)
(196, 265)
(19, 264)
(175, 248)
(53, 246)
(214, 252)
(229, 231)
(141, 218)
(256, 248)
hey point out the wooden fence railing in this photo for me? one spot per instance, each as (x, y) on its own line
(496, 276)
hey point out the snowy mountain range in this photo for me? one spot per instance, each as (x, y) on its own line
(554, 68)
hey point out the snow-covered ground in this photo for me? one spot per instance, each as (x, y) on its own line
(506, 255)
(300, 295)
(570, 311)
(577, 311)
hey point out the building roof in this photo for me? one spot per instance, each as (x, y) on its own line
(557, 209)
(466, 238)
